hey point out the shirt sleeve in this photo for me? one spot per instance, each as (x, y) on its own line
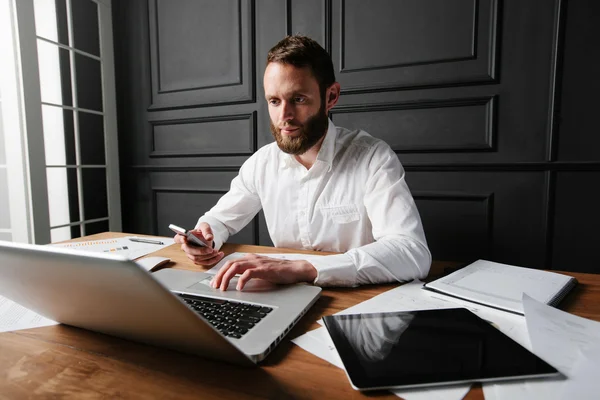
(235, 208)
(400, 251)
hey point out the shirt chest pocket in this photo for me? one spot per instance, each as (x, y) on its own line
(342, 214)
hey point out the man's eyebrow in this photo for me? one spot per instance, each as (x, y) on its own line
(294, 93)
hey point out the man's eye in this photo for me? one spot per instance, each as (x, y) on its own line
(299, 100)
(273, 102)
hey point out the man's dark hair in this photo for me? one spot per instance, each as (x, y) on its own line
(302, 51)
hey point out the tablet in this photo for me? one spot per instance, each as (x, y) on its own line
(428, 348)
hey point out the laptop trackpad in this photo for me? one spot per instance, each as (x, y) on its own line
(253, 285)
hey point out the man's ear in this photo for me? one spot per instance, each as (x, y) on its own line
(333, 95)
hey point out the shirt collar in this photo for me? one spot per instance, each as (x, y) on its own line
(326, 152)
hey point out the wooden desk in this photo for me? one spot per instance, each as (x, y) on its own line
(66, 362)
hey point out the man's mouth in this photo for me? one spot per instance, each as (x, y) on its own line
(289, 129)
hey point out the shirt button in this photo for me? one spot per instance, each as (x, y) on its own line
(301, 213)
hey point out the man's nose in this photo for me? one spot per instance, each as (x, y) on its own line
(287, 111)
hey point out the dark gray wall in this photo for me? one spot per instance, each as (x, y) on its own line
(467, 92)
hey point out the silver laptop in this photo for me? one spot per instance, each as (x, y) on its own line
(176, 309)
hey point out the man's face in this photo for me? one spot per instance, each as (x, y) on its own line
(298, 114)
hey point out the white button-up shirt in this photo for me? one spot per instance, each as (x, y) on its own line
(354, 200)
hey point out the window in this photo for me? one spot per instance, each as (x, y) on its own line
(70, 116)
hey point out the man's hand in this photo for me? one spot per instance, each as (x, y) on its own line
(204, 256)
(270, 269)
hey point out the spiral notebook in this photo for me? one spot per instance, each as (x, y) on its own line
(502, 286)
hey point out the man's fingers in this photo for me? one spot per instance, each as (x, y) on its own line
(270, 269)
(206, 261)
(206, 231)
(179, 238)
(217, 279)
(216, 282)
(235, 268)
(249, 261)
(218, 257)
(197, 250)
(250, 274)
(202, 255)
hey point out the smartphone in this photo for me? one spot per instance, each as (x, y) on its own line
(193, 239)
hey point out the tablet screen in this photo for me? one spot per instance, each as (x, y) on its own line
(428, 348)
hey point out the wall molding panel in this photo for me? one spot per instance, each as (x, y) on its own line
(475, 211)
(181, 197)
(499, 215)
(201, 59)
(311, 18)
(436, 43)
(451, 125)
(215, 136)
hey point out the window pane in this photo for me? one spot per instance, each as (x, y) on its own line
(6, 236)
(89, 83)
(51, 20)
(95, 199)
(96, 227)
(64, 233)
(55, 74)
(62, 195)
(91, 138)
(85, 26)
(59, 136)
(4, 206)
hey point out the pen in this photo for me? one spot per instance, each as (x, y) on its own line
(146, 241)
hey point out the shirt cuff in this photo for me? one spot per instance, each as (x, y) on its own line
(335, 270)
(219, 230)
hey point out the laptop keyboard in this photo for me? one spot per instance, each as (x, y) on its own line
(231, 318)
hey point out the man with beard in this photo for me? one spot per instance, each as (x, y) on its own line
(321, 187)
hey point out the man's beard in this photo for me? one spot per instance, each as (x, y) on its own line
(306, 136)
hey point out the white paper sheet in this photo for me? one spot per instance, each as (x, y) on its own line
(315, 342)
(584, 383)
(123, 246)
(281, 256)
(557, 337)
(13, 317)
